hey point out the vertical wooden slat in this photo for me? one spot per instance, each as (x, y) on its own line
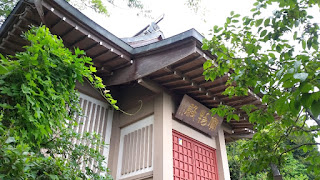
(130, 153)
(77, 116)
(84, 108)
(138, 150)
(146, 148)
(93, 114)
(124, 154)
(150, 145)
(87, 119)
(104, 124)
(142, 144)
(137, 155)
(85, 128)
(90, 130)
(95, 126)
(98, 125)
(96, 121)
(134, 136)
(101, 120)
(82, 126)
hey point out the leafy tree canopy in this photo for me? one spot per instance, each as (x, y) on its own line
(294, 167)
(277, 57)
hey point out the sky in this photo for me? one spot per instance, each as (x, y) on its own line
(124, 22)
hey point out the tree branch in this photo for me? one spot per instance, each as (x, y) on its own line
(296, 147)
(308, 130)
(288, 131)
(313, 117)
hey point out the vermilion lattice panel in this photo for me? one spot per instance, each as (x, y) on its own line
(193, 160)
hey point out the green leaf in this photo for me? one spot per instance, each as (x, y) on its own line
(236, 117)
(207, 65)
(263, 33)
(266, 22)
(301, 76)
(295, 35)
(259, 22)
(236, 16)
(306, 100)
(3, 70)
(315, 108)
(235, 21)
(228, 20)
(306, 87)
(93, 69)
(304, 44)
(278, 48)
(53, 177)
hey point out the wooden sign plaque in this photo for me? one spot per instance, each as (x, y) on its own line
(198, 116)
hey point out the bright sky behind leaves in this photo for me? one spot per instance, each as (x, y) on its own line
(124, 22)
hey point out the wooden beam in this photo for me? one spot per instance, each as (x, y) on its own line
(161, 76)
(240, 101)
(253, 102)
(67, 32)
(78, 41)
(6, 51)
(192, 69)
(152, 86)
(239, 136)
(91, 46)
(13, 45)
(100, 54)
(172, 81)
(145, 65)
(112, 59)
(183, 63)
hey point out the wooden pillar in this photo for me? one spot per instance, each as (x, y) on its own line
(222, 159)
(163, 158)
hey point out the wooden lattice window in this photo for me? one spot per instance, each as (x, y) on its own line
(136, 149)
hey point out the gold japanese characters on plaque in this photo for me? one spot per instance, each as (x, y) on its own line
(197, 115)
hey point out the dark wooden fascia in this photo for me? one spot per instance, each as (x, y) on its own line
(145, 65)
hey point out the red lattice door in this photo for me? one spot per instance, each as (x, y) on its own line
(193, 160)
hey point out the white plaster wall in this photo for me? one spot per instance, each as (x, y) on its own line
(194, 134)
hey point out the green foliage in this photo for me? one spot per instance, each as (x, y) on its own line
(6, 7)
(293, 168)
(38, 103)
(260, 54)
